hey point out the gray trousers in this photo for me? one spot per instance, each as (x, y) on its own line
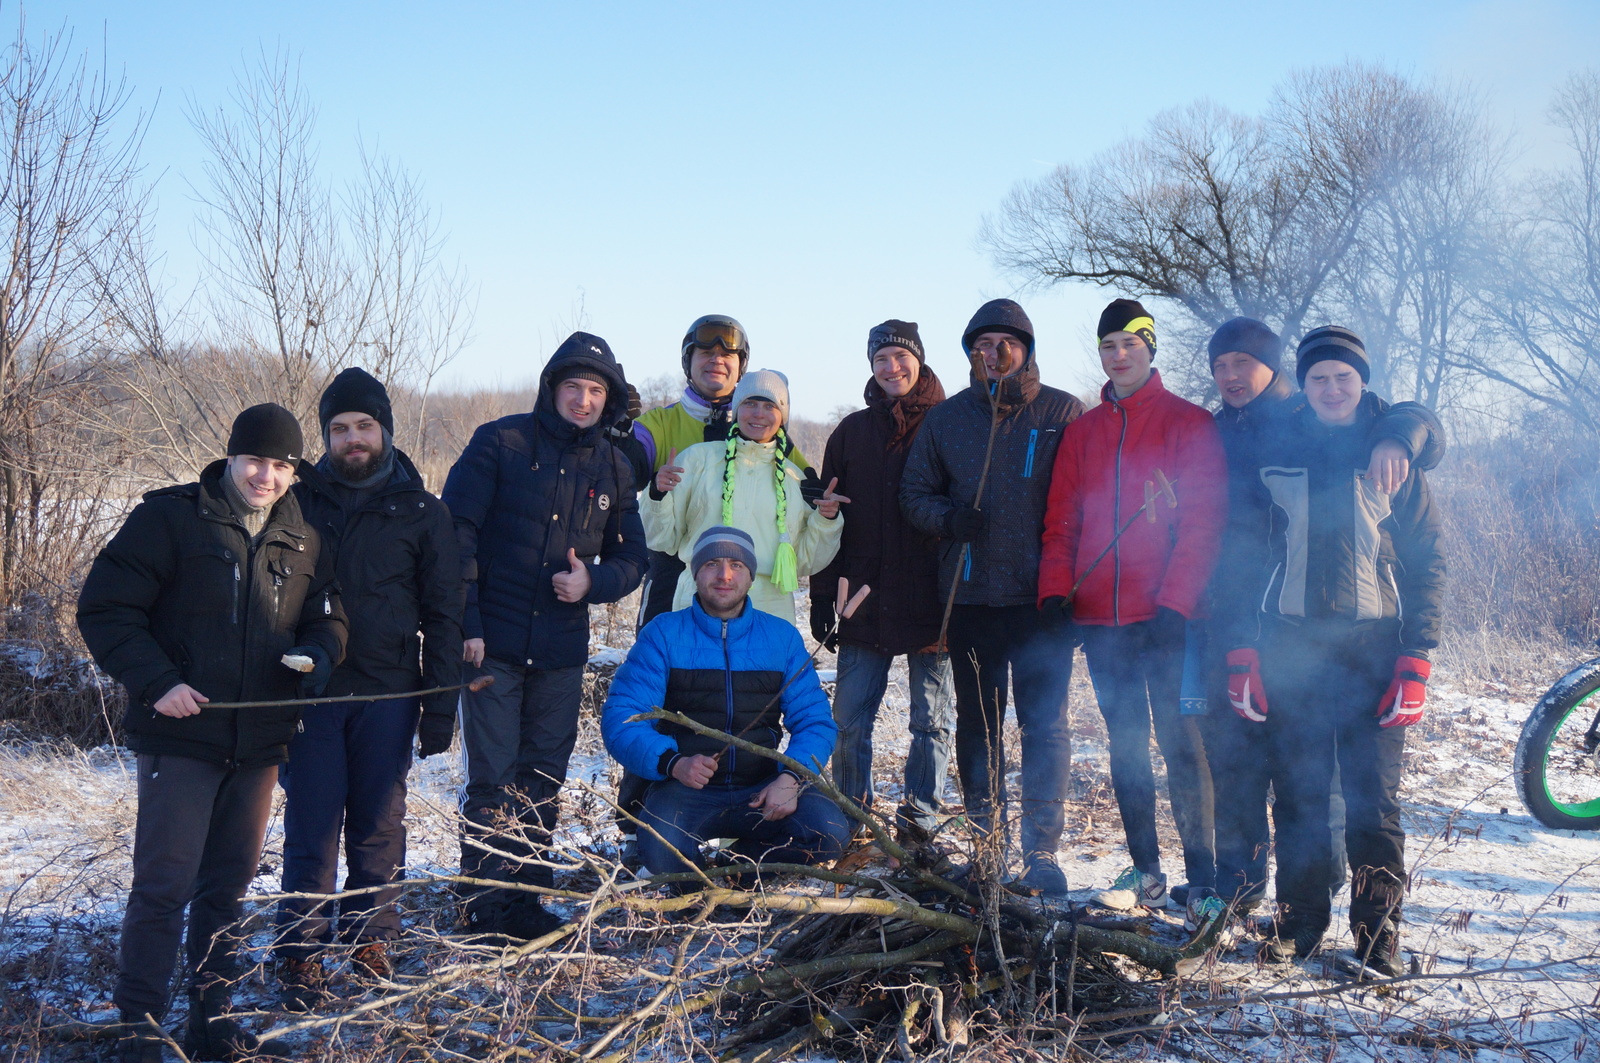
(518, 736)
(197, 843)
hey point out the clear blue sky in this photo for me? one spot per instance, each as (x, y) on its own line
(809, 168)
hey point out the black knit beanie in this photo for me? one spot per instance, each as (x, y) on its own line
(267, 431)
(998, 315)
(580, 372)
(894, 333)
(356, 391)
(1128, 315)
(1331, 341)
(1249, 336)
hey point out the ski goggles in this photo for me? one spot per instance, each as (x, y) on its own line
(712, 334)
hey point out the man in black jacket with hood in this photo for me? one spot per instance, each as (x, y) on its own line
(546, 515)
(195, 602)
(990, 555)
(399, 570)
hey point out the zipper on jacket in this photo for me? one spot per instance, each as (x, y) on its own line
(1116, 525)
(966, 567)
(1027, 466)
(236, 579)
(727, 683)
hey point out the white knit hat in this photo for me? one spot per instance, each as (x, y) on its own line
(766, 384)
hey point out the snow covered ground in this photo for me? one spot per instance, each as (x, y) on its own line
(1503, 918)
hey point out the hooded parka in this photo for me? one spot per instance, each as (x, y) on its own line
(528, 487)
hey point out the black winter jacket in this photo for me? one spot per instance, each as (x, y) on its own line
(527, 488)
(399, 571)
(1317, 541)
(879, 546)
(180, 596)
(944, 467)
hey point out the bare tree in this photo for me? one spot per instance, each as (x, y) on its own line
(1540, 285)
(69, 191)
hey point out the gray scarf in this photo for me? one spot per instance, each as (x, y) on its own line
(253, 519)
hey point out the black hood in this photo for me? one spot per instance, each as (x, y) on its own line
(583, 350)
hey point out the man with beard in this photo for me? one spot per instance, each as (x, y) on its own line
(546, 512)
(199, 601)
(1001, 432)
(881, 549)
(399, 569)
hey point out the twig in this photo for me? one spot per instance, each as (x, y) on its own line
(483, 682)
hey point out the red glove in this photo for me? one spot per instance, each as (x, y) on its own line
(1245, 690)
(1408, 690)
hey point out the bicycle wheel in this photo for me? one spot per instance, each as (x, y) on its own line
(1558, 762)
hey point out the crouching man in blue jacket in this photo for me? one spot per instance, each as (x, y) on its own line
(722, 662)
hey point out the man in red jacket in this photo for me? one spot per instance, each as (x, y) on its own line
(1128, 557)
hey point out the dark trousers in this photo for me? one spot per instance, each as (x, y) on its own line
(1241, 755)
(988, 645)
(816, 832)
(1323, 682)
(346, 774)
(518, 736)
(661, 584)
(197, 843)
(1137, 670)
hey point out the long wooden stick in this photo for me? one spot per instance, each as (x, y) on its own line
(483, 682)
(977, 501)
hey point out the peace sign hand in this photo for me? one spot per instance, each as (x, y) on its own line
(670, 474)
(829, 506)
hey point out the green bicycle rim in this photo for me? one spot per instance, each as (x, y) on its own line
(1584, 809)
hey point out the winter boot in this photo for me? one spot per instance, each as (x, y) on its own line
(1377, 952)
(372, 961)
(302, 984)
(141, 1040)
(1293, 939)
(1042, 877)
(527, 919)
(214, 1036)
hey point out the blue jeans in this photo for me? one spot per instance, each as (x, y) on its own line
(863, 679)
(816, 832)
(346, 775)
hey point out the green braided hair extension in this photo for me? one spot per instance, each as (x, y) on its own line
(785, 565)
(727, 480)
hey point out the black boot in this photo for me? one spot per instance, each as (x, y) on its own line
(1378, 948)
(211, 1034)
(141, 1040)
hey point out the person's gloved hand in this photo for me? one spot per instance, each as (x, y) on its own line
(1401, 705)
(635, 407)
(822, 616)
(965, 523)
(314, 682)
(811, 488)
(1057, 606)
(1245, 690)
(435, 732)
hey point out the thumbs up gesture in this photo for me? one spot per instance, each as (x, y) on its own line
(574, 583)
(670, 474)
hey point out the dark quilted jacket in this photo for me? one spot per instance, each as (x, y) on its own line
(526, 488)
(944, 467)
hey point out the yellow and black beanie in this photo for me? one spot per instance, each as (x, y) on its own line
(1128, 315)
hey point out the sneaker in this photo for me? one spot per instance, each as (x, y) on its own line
(302, 984)
(1041, 878)
(1134, 889)
(372, 960)
(628, 855)
(1201, 906)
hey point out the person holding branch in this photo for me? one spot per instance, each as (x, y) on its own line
(747, 483)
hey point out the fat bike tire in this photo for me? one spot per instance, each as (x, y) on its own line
(1558, 780)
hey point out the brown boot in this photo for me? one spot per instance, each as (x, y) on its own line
(372, 961)
(302, 984)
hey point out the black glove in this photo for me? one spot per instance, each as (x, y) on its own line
(635, 407)
(965, 523)
(314, 682)
(435, 732)
(811, 488)
(1056, 606)
(822, 616)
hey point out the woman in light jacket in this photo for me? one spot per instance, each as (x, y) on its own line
(746, 483)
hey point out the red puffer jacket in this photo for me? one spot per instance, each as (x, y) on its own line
(1105, 461)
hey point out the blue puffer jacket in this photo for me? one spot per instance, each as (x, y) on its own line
(682, 658)
(527, 488)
